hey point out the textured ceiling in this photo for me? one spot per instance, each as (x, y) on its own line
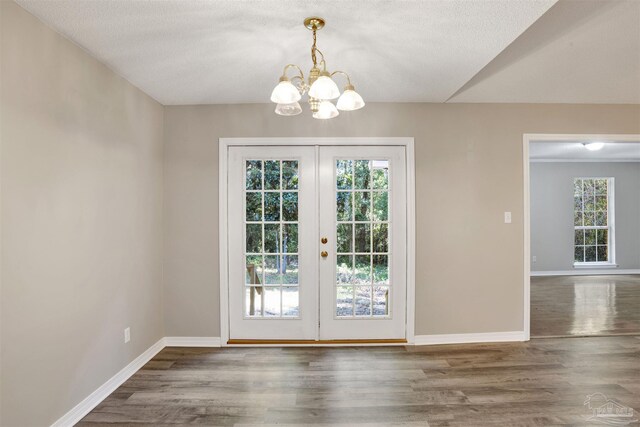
(612, 151)
(578, 52)
(232, 51)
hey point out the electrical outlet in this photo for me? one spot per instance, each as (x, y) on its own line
(507, 217)
(127, 335)
(534, 259)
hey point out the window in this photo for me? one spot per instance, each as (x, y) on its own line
(271, 238)
(362, 224)
(593, 220)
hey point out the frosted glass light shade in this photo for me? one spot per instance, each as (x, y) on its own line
(324, 88)
(326, 110)
(292, 109)
(285, 93)
(350, 100)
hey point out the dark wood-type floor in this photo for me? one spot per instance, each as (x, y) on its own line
(585, 305)
(539, 383)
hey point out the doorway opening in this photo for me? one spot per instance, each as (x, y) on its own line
(582, 235)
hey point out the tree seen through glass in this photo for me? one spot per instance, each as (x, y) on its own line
(271, 238)
(591, 219)
(362, 232)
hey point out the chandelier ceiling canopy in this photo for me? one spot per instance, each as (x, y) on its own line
(320, 87)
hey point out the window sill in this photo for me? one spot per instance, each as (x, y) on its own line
(594, 265)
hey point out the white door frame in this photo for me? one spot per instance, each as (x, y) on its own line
(527, 139)
(223, 146)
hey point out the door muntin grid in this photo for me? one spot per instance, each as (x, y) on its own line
(271, 255)
(363, 241)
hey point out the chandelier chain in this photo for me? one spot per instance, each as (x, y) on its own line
(313, 48)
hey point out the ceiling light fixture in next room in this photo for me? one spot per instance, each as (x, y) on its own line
(593, 146)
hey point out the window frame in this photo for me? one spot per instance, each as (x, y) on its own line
(610, 227)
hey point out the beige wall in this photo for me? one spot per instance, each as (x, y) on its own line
(84, 192)
(81, 221)
(468, 172)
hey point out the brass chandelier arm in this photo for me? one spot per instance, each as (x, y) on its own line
(286, 68)
(344, 74)
(299, 78)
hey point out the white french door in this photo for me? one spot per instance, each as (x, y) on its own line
(317, 242)
(272, 211)
(363, 216)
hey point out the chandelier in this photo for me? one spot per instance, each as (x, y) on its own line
(320, 87)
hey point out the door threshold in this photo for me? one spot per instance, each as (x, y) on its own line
(317, 343)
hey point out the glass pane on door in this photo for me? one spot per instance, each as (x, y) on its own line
(362, 232)
(271, 239)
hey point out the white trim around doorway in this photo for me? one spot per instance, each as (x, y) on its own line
(527, 139)
(225, 143)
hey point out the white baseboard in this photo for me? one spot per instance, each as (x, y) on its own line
(584, 272)
(91, 401)
(469, 338)
(192, 341)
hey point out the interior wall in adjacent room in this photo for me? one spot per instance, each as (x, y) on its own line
(552, 232)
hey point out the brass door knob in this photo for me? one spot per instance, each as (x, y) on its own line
(324, 240)
(324, 254)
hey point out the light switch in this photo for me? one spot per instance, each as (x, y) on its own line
(507, 217)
